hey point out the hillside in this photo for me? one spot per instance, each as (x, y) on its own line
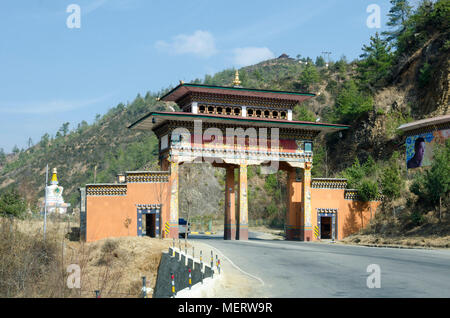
(395, 81)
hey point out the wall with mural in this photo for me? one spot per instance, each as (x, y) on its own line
(420, 147)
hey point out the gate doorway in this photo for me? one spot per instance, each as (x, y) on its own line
(326, 222)
(148, 219)
(325, 227)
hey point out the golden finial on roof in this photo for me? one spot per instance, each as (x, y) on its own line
(236, 82)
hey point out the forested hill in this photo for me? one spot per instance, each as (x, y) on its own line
(401, 75)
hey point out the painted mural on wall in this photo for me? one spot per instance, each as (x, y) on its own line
(420, 148)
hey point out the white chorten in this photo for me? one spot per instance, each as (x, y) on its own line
(55, 201)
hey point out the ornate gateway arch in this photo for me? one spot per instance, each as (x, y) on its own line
(233, 128)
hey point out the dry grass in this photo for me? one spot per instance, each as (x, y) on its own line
(396, 227)
(407, 241)
(30, 267)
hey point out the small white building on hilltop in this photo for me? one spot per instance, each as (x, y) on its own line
(54, 199)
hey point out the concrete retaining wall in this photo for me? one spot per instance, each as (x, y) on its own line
(179, 266)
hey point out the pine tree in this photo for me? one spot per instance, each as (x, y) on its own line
(320, 61)
(375, 66)
(351, 103)
(398, 15)
(304, 114)
(309, 76)
(12, 203)
(15, 149)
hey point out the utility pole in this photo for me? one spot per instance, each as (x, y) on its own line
(45, 202)
(95, 172)
(328, 60)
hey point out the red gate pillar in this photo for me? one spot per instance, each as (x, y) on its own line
(242, 231)
(173, 217)
(307, 228)
(230, 218)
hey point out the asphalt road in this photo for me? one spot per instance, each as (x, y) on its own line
(301, 269)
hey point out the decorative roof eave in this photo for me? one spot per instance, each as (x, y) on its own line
(148, 172)
(154, 119)
(429, 122)
(183, 89)
(105, 184)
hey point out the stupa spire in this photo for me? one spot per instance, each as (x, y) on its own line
(236, 82)
(54, 177)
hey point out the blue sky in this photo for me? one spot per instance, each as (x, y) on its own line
(50, 74)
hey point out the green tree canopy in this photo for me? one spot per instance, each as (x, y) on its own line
(398, 15)
(351, 103)
(376, 63)
(368, 190)
(304, 114)
(434, 183)
(354, 174)
(309, 76)
(391, 179)
(12, 203)
(320, 61)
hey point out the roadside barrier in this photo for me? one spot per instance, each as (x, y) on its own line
(172, 276)
(212, 262)
(190, 279)
(192, 275)
(173, 254)
(201, 265)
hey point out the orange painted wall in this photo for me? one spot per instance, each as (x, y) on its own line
(106, 216)
(295, 198)
(351, 215)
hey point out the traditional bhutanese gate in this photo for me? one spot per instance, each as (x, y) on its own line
(233, 128)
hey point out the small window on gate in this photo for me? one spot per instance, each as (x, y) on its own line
(308, 146)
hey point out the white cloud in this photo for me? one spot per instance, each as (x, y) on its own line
(201, 44)
(251, 55)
